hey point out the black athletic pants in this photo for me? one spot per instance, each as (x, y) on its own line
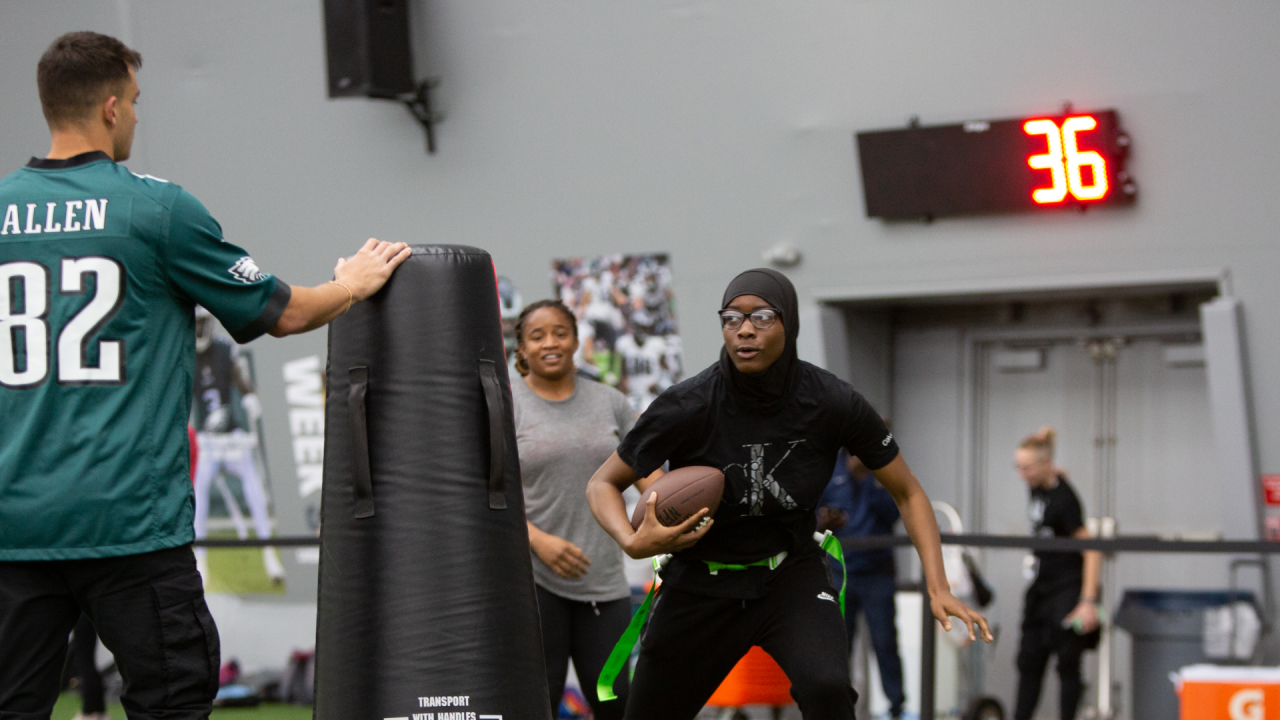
(1042, 636)
(691, 642)
(148, 609)
(84, 666)
(586, 632)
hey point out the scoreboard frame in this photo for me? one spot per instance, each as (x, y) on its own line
(1034, 164)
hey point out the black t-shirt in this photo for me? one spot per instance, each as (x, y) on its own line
(776, 465)
(1056, 512)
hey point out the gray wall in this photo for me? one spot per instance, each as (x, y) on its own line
(709, 130)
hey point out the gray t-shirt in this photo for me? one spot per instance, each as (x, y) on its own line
(562, 443)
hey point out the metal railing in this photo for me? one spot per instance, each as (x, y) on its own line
(1131, 544)
(1141, 544)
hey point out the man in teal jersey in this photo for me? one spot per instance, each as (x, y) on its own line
(100, 270)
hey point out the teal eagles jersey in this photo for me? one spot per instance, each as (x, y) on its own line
(100, 272)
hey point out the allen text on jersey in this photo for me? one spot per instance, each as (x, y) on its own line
(75, 216)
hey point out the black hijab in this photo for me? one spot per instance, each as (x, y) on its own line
(768, 390)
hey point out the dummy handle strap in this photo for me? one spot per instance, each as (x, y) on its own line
(362, 482)
(497, 435)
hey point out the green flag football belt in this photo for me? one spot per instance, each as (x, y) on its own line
(622, 651)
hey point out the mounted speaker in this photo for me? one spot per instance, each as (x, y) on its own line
(367, 42)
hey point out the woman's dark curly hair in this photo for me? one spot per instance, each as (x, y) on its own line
(522, 366)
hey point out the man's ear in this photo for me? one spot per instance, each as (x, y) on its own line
(109, 109)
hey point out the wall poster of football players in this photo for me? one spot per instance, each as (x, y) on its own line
(626, 322)
(231, 483)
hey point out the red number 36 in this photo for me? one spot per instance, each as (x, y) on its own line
(1064, 161)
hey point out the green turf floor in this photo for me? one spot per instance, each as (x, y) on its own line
(238, 570)
(69, 704)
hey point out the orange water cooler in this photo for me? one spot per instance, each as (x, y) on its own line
(1211, 692)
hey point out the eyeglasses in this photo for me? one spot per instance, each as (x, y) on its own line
(761, 319)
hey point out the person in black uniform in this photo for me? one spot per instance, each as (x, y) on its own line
(754, 575)
(1060, 614)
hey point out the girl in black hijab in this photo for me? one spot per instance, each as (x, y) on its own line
(755, 574)
(770, 389)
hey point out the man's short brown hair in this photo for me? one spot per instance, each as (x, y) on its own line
(80, 70)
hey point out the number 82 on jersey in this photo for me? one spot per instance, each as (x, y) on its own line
(25, 332)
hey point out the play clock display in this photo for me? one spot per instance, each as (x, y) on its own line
(996, 166)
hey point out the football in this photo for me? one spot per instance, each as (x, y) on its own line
(681, 493)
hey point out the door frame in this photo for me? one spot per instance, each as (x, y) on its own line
(1027, 287)
(1220, 326)
(833, 302)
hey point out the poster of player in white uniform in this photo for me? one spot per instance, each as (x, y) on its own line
(231, 483)
(626, 321)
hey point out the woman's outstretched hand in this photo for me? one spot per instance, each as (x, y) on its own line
(654, 538)
(946, 606)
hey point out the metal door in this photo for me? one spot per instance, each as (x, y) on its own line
(1135, 441)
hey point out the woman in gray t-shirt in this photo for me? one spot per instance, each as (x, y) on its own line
(566, 427)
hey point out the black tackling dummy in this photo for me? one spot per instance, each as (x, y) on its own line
(426, 591)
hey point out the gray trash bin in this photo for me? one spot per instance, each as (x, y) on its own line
(1168, 631)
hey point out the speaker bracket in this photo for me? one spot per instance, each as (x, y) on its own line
(419, 105)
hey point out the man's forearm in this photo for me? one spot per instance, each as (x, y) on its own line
(311, 307)
(355, 279)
